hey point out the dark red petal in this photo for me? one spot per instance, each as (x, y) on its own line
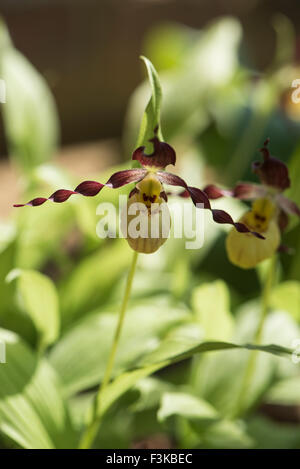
(222, 217)
(248, 191)
(288, 206)
(199, 196)
(33, 202)
(89, 188)
(243, 190)
(92, 188)
(121, 178)
(61, 195)
(214, 192)
(171, 179)
(271, 171)
(86, 188)
(163, 155)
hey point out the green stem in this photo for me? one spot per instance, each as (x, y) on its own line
(250, 367)
(95, 421)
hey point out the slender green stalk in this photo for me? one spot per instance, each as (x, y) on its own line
(250, 368)
(95, 420)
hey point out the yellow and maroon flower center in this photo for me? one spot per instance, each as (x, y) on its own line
(149, 189)
(260, 215)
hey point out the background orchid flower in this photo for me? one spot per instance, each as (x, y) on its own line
(148, 190)
(268, 215)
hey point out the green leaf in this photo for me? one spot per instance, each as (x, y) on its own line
(211, 305)
(81, 355)
(151, 116)
(30, 119)
(186, 405)
(162, 359)
(38, 298)
(162, 352)
(228, 435)
(150, 392)
(218, 377)
(32, 411)
(201, 426)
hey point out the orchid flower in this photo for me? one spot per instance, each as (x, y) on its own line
(268, 215)
(149, 189)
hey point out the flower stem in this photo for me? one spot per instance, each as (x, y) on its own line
(250, 367)
(91, 431)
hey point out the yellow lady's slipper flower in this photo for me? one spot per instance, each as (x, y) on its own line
(268, 215)
(246, 252)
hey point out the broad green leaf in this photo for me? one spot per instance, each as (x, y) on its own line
(228, 435)
(78, 406)
(151, 117)
(30, 119)
(186, 405)
(32, 411)
(157, 361)
(38, 298)
(286, 297)
(162, 352)
(211, 305)
(150, 392)
(201, 426)
(218, 378)
(81, 355)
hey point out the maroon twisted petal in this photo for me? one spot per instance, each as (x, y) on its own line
(243, 191)
(213, 192)
(86, 188)
(200, 197)
(91, 188)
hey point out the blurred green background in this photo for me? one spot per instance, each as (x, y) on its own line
(75, 97)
